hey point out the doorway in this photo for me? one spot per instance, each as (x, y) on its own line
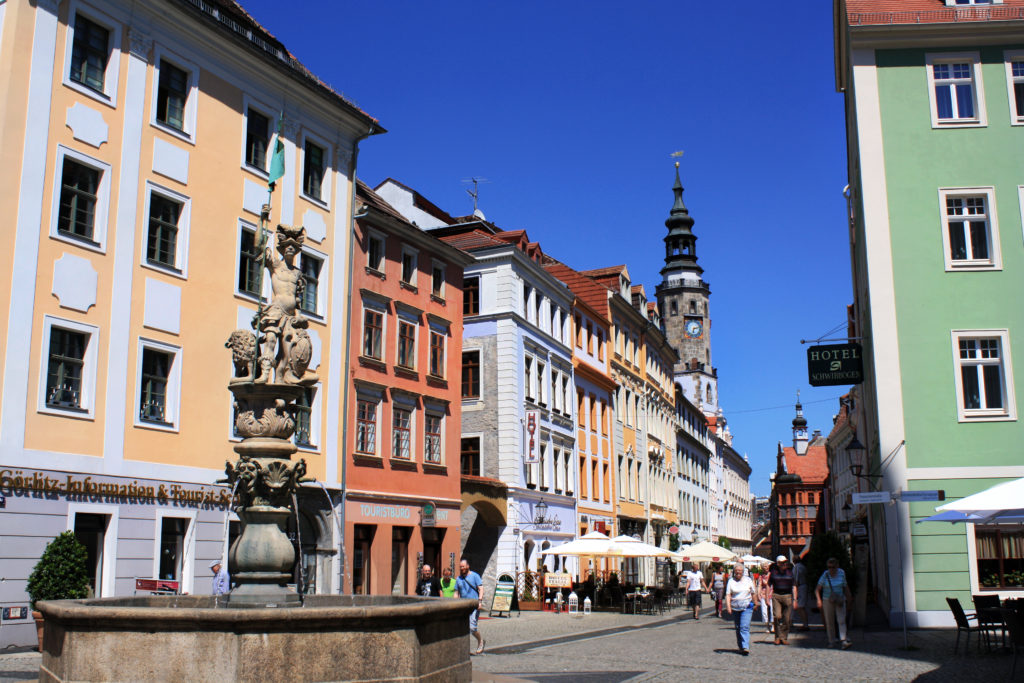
(91, 531)
(361, 563)
(400, 536)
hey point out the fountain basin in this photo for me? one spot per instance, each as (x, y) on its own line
(198, 638)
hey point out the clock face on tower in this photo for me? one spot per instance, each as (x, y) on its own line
(694, 329)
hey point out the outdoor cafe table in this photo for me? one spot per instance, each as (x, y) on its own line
(631, 599)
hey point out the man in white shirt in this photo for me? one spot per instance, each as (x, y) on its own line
(695, 584)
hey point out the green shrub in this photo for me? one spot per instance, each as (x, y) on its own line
(61, 573)
(824, 546)
(725, 542)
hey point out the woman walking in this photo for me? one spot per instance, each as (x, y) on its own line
(833, 595)
(718, 579)
(764, 591)
(740, 600)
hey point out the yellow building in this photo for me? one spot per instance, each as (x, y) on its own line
(135, 141)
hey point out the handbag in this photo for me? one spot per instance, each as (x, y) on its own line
(836, 599)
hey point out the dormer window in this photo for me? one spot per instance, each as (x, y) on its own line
(965, 3)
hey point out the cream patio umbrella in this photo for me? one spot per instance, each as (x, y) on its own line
(627, 546)
(594, 544)
(705, 551)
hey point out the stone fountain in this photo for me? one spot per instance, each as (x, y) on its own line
(261, 631)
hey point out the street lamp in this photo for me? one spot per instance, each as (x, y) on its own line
(540, 513)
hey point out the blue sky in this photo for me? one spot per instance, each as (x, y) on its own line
(571, 110)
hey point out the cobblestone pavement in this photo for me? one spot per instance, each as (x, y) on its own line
(613, 648)
(673, 647)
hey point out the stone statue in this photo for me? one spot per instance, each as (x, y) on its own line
(243, 354)
(286, 350)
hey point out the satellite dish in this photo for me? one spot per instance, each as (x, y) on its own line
(479, 214)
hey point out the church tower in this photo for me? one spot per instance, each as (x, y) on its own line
(683, 298)
(799, 428)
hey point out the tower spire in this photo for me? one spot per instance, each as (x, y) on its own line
(680, 242)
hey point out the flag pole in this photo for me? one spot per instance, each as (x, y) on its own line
(275, 173)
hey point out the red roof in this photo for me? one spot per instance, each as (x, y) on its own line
(584, 288)
(883, 12)
(475, 239)
(812, 467)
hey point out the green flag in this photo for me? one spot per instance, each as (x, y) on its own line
(277, 158)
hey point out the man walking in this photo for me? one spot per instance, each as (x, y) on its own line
(221, 580)
(448, 586)
(428, 586)
(468, 585)
(783, 588)
(694, 585)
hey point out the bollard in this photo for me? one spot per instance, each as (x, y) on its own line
(586, 605)
(574, 604)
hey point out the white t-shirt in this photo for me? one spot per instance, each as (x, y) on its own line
(740, 592)
(693, 580)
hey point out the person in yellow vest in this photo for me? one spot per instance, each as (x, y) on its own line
(447, 583)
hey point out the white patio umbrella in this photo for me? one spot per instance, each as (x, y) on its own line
(755, 560)
(1002, 503)
(627, 546)
(594, 544)
(705, 551)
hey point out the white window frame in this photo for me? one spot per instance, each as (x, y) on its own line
(191, 102)
(407, 250)
(188, 559)
(314, 422)
(1009, 57)
(973, 3)
(106, 588)
(324, 201)
(480, 375)
(249, 103)
(324, 284)
(479, 436)
(408, 319)
(435, 411)
(381, 308)
(99, 235)
(184, 223)
(266, 288)
(995, 259)
(435, 265)
(445, 334)
(172, 414)
(1020, 201)
(377, 402)
(87, 409)
(372, 234)
(974, 58)
(1009, 411)
(110, 77)
(411, 407)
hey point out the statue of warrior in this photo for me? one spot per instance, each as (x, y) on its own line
(286, 347)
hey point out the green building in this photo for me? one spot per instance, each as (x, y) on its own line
(934, 93)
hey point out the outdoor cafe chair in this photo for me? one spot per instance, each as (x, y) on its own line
(990, 621)
(962, 623)
(1015, 626)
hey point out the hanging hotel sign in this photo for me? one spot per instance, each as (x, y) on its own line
(834, 364)
(532, 438)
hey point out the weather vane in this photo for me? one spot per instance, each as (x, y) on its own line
(677, 154)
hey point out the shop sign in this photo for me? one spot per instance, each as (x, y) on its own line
(399, 512)
(530, 453)
(20, 612)
(859, 530)
(922, 496)
(74, 485)
(557, 580)
(501, 601)
(834, 364)
(871, 497)
(428, 516)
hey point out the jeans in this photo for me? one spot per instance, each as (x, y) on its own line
(831, 613)
(742, 617)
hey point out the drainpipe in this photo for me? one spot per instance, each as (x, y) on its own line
(344, 359)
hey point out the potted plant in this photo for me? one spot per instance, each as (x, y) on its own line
(60, 574)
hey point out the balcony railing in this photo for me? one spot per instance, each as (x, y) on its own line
(951, 15)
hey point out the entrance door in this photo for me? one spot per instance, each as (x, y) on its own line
(361, 566)
(91, 531)
(433, 539)
(400, 559)
(172, 547)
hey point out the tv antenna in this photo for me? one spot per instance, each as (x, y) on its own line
(475, 193)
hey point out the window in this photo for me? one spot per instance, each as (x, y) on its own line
(528, 377)
(1015, 84)
(67, 375)
(257, 139)
(89, 53)
(579, 333)
(373, 333)
(249, 270)
(401, 430)
(969, 2)
(64, 373)
(156, 369)
(470, 374)
(436, 353)
(366, 426)
(983, 383)
(471, 296)
(469, 456)
(954, 82)
(166, 246)
(304, 418)
(375, 252)
(79, 186)
(540, 384)
(970, 228)
(92, 54)
(432, 439)
(1000, 556)
(172, 94)
(309, 298)
(437, 280)
(408, 266)
(314, 166)
(406, 344)
(600, 345)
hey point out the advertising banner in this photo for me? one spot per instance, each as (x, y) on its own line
(531, 440)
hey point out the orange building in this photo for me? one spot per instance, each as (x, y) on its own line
(797, 489)
(402, 469)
